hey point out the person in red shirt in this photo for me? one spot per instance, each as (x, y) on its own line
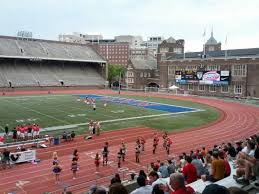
(189, 171)
(168, 145)
(178, 185)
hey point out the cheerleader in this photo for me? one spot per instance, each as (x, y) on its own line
(97, 161)
(119, 156)
(155, 143)
(137, 150)
(142, 142)
(165, 135)
(56, 169)
(74, 167)
(97, 128)
(123, 149)
(76, 154)
(168, 145)
(91, 126)
(105, 153)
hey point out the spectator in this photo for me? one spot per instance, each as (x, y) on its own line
(171, 167)
(236, 190)
(153, 177)
(142, 173)
(239, 147)
(117, 188)
(158, 190)
(116, 179)
(189, 171)
(199, 166)
(215, 189)
(178, 185)
(226, 163)
(231, 150)
(163, 169)
(248, 165)
(143, 188)
(217, 169)
(181, 162)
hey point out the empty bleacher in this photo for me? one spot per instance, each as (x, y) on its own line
(52, 74)
(48, 63)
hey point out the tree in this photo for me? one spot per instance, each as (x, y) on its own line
(114, 73)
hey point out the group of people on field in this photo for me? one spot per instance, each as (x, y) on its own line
(23, 132)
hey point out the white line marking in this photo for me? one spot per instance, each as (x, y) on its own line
(114, 120)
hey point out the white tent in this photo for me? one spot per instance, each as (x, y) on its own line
(173, 87)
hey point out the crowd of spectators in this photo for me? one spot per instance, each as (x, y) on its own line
(209, 165)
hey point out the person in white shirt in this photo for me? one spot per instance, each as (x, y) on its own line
(143, 187)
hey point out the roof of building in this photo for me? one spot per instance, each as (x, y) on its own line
(212, 40)
(171, 40)
(14, 47)
(149, 63)
(249, 52)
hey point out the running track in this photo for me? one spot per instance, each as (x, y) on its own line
(237, 121)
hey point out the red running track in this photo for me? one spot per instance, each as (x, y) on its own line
(236, 122)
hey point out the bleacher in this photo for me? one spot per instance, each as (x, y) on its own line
(23, 74)
(32, 63)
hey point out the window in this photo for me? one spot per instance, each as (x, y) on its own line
(201, 87)
(130, 80)
(130, 74)
(171, 70)
(224, 89)
(190, 86)
(238, 88)
(191, 67)
(212, 88)
(178, 50)
(239, 70)
(213, 68)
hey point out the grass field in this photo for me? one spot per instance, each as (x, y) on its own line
(59, 110)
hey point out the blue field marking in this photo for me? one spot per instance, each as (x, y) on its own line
(140, 103)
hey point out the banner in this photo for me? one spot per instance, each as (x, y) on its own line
(203, 77)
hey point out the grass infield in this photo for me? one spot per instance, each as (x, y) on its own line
(59, 110)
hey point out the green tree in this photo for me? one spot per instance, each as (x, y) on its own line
(114, 73)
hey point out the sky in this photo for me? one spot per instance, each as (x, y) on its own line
(238, 20)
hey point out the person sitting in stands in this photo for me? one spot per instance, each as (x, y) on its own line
(189, 171)
(217, 169)
(143, 188)
(178, 185)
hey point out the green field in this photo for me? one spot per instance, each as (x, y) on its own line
(60, 110)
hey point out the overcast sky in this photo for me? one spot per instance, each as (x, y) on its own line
(186, 19)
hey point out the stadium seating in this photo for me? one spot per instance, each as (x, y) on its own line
(32, 71)
(47, 49)
(51, 74)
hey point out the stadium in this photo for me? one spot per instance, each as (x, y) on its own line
(62, 88)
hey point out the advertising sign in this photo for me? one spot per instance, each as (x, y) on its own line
(203, 77)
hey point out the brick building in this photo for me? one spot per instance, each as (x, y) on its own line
(221, 73)
(113, 52)
(141, 73)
